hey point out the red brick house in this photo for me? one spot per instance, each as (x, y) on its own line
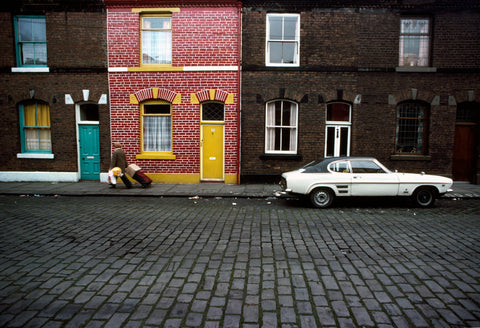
(55, 116)
(174, 79)
(398, 80)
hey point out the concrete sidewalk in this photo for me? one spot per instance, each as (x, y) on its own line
(95, 188)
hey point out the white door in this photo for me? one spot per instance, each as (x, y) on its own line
(337, 141)
(369, 179)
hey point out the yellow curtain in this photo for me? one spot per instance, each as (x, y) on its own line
(37, 115)
(30, 115)
(43, 113)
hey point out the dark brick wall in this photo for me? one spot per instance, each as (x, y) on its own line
(76, 50)
(76, 39)
(356, 49)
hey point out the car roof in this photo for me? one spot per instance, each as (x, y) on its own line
(322, 165)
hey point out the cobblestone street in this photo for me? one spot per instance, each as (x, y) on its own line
(218, 262)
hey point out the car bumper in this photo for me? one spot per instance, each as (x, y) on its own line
(284, 194)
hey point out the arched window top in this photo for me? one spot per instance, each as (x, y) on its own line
(213, 111)
(339, 112)
(413, 109)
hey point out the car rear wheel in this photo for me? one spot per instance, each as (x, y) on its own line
(424, 197)
(322, 197)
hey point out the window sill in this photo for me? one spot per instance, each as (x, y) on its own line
(286, 157)
(282, 65)
(415, 69)
(168, 156)
(30, 69)
(35, 155)
(411, 158)
(156, 68)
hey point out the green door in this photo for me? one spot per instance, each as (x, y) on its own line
(89, 152)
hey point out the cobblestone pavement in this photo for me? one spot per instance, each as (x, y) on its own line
(179, 262)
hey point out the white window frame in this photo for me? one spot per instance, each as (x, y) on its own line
(268, 41)
(270, 127)
(164, 43)
(422, 58)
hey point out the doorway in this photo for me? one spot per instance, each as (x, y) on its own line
(337, 131)
(212, 141)
(464, 152)
(88, 141)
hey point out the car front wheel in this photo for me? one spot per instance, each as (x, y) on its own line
(321, 197)
(424, 197)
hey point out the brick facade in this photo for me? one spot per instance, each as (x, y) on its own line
(76, 50)
(205, 58)
(350, 53)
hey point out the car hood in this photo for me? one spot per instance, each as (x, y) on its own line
(422, 178)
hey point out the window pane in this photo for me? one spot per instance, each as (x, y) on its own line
(212, 112)
(275, 27)
(341, 167)
(156, 47)
(275, 52)
(278, 138)
(25, 29)
(156, 109)
(290, 28)
(330, 141)
(40, 54)
(286, 138)
(157, 133)
(156, 23)
(89, 112)
(366, 167)
(286, 121)
(39, 30)
(343, 141)
(414, 26)
(289, 52)
(278, 113)
(28, 54)
(338, 112)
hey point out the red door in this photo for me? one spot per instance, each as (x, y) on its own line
(463, 152)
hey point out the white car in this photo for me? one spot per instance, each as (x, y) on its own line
(360, 176)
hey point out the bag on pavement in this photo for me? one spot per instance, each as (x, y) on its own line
(112, 179)
(132, 169)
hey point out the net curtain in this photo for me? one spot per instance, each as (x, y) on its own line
(157, 133)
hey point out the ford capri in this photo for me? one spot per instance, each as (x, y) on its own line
(333, 177)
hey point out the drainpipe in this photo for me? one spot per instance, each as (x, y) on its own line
(239, 90)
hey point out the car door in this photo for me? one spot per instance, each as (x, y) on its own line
(370, 179)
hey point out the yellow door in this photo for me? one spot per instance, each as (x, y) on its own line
(212, 152)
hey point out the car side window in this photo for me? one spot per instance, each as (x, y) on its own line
(366, 167)
(340, 167)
